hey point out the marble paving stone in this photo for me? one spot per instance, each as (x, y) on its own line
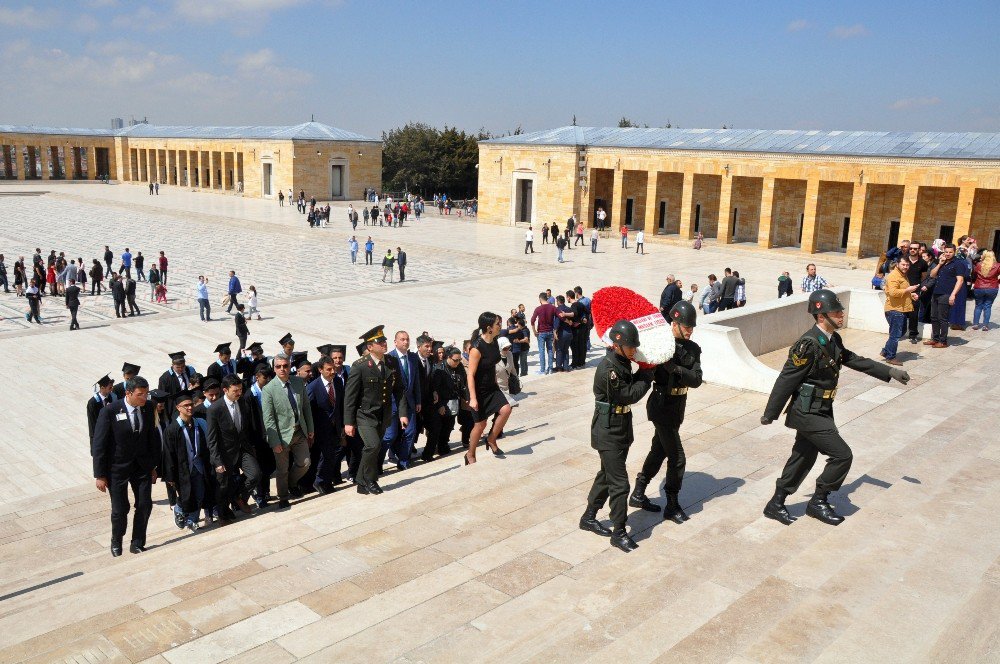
(156, 633)
(244, 635)
(523, 573)
(216, 609)
(334, 598)
(213, 581)
(94, 649)
(269, 653)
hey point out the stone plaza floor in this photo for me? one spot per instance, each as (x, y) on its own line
(484, 563)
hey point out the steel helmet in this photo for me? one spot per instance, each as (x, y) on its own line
(624, 333)
(824, 301)
(683, 313)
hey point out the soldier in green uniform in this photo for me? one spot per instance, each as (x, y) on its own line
(665, 409)
(371, 386)
(616, 388)
(809, 378)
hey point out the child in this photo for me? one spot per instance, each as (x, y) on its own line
(161, 294)
(252, 301)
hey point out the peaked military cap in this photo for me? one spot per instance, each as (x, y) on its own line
(375, 334)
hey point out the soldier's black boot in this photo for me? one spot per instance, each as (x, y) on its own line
(818, 508)
(775, 509)
(638, 497)
(621, 540)
(589, 522)
(673, 511)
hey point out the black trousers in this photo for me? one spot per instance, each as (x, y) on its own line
(371, 441)
(119, 308)
(133, 308)
(73, 324)
(579, 346)
(528, 247)
(912, 325)
(727, 303)
(232, 302)
(666, 445)
(807, 445)
(402, 272)
(110, 271)
(234, 486)
(353, 455)
(465, 424)
(940, 311)
(440, 428)
(612, 483)
(142, 486)
(140, 275)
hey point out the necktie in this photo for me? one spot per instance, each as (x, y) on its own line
(403, 362)
(291, 400)
(236, 417)
(225, 369)
(182, 378)
(331, 394)
(135, 420)
(107, 400)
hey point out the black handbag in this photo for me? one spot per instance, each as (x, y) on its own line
(514, 384)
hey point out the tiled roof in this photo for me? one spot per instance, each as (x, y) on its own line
(307, 131)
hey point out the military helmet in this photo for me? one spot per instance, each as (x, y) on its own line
(624, 333)
(824, 301)
(683, 313)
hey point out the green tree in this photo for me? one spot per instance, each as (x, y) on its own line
(425, 160)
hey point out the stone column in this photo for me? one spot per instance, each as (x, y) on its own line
(652, 203)
(686, 227)
(908, 215)
(156, 165)
(187, 165)
(725, 232)
(150, 167)
(201, 174)
(211, 170)
(963, 216)
(809, 234)
(618, 198)
(18, 161)
(43, 161)
(858, 201)
(766, 209)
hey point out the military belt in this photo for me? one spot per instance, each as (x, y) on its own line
(672, 391)
(827, 394)
(614, 410)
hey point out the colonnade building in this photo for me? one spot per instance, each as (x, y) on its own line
(855, 192)
(325, 162)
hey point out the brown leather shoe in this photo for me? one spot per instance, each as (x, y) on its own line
(938, 344)
(894, 362)
(929, 342)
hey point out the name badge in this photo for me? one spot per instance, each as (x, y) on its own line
(121, 417)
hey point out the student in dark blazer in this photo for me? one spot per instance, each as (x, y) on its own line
(231, 449)
(101, 398)
(327, 425)
(258, 436)
(126, 452)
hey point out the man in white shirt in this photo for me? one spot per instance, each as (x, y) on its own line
(529, 240)
(640, 237)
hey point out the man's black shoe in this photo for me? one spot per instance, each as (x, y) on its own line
(590, 523)
(296, 492)
(116, 549)
(638, 497)
(375, 488)
(775, 509)
(363, 488)
(135, 548)
(283, 504)
(621, 540)
(179, 520)
(819, 508)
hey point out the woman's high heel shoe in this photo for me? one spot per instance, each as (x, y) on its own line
(465, 457)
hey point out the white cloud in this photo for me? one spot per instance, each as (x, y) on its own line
(143, 18)
(200, 11)
(914, 102)
(27, 18)
(798, 25)
(849, 31)
(86, 23)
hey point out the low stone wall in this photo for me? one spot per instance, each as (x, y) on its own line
(732, 340)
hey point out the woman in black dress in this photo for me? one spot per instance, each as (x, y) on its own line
(485, 397)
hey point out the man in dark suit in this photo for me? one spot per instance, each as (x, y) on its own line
(126, 452)
(231, 449)
(129, 370)
(73, 303)
(117, 295)
(133, 308)
(186, 461)
(371, 387)
(258, 436)
(322, 393)
(225, 365)
(401, 262)
(402, 439)
(103, 397)
(425, 363)
(175, 379)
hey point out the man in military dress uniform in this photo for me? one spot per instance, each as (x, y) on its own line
(371, 386)
(616, 388)
(665, 408)
(809, 378)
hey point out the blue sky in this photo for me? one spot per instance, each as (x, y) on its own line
(371, 66)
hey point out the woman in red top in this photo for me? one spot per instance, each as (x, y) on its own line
(985, 280)
(50, 279)
(624, 236)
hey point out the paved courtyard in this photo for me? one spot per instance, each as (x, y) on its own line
(482, 563)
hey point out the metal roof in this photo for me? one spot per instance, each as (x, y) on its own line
(936, 145)
(307, 131)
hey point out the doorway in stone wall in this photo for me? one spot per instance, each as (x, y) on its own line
(336, 181)
(267, 171)
(893, 234)
(845, 231)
